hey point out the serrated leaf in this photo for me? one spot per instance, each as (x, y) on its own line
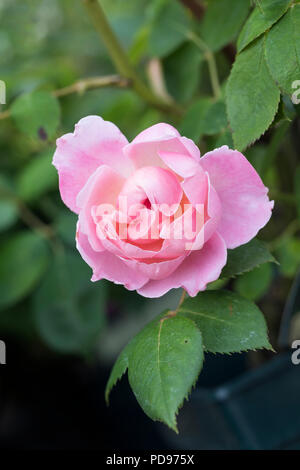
(38, 177)
(215, 31)
(252, 96)
(24, 258)
(262, 18)
(204, 117)
(36, 114)
(163, 366)
(168, 29)
(254, 284)
(282, 47)
(246, 257)
(228, 323)
(118, 370)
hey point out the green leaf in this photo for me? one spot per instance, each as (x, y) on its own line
(36, 114)
(246, 257)
(8, 214)
(118, 370)
(254, 284)
(168, 29)
(252, 96)
(24, 258)
(164, 365)
(182, 71)
(228, 322)
(69, 309)
(262, 18)
(204, 117)
(38, 177)
(282, 48)
(214, 30)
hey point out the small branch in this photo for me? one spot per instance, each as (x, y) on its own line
(157, 80)
(173, 313)
(181, 300)
(92, 83)
(120, 58)
(83, 85)
(210, 58)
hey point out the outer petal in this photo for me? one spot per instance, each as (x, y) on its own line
(102, 187)
(93, 143)
(105, 265)
(155, 270)
(246, 207)
(198, 269)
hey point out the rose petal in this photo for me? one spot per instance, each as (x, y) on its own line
(144, 149)
(194, 273)
(246, 207)
(105, 265)
(155, 270)
(93, 143)
(159, 185)
(102, 187)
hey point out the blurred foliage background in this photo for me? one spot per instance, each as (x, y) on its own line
(184, 51)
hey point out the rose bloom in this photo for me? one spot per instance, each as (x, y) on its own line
(187, 210)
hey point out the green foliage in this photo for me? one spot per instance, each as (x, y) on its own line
(163, 363)
(182, 71)
(228, 323)
(288, 254)
(69, 311)
(38, 177)
(254, 284)
(169, 26)
(24, 258)
(8, 214)
(222, 22)
(166, 357)
(204, 117)
(246, 257)
(264, 15)
(36, 114)
(252, 97)
(47, 299)
(118, 370)
(283, 47)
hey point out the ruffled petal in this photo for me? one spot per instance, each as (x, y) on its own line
(246, 207)
(105, 265)
(94, 142)
(194, 273)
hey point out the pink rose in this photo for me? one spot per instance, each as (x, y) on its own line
(181, 211)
